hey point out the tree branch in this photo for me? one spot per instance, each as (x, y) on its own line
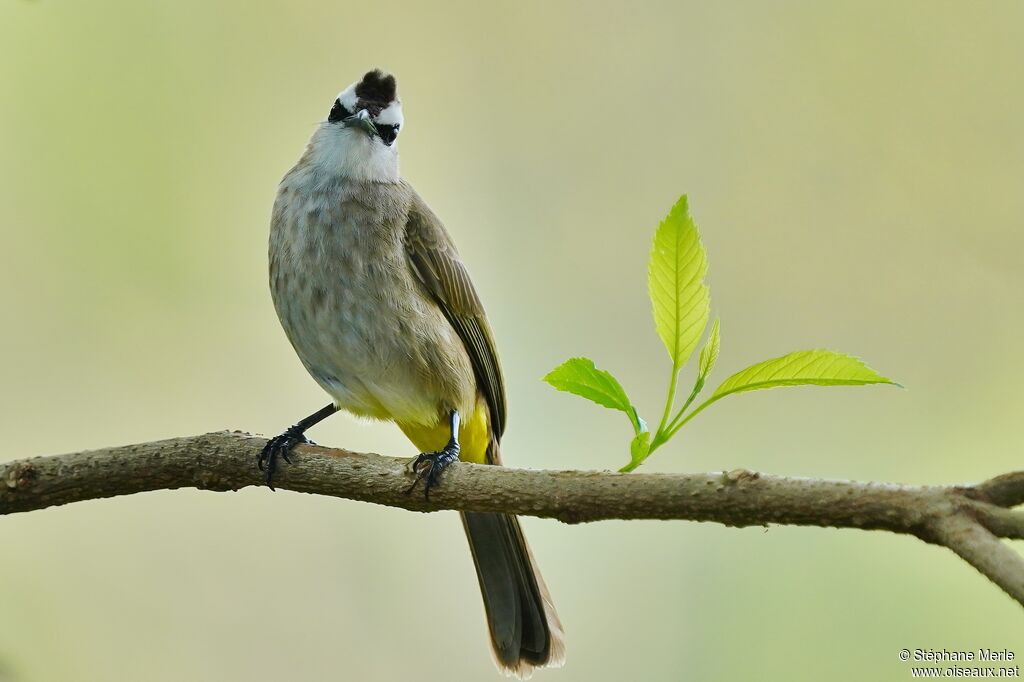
(979, 547)
(967, 519)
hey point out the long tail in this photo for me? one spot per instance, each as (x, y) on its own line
(525, 630)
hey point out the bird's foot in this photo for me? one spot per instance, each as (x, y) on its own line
(279, 446)
(428, 467)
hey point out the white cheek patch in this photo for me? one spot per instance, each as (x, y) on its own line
(390, 116)
(348, 98)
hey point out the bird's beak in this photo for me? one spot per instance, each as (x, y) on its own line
(361, 120)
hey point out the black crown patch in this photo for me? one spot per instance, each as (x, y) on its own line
(377, 87)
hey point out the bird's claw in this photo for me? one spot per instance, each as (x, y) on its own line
(428, 467)
(279, 446)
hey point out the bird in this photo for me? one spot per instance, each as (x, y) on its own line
(380, 309)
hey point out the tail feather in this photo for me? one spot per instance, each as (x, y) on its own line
(524, 627)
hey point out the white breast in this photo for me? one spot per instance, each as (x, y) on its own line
(348, 302)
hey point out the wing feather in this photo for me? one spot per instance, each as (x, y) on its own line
(436, 264)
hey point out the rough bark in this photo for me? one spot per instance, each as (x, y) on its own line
(969, 520)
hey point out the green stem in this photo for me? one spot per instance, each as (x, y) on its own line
(668, 403)
(666, 428)
(697, 387)
(698, 410)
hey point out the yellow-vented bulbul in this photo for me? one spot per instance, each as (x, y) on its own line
(380, 309)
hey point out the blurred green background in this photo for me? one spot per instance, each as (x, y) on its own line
(856, 171)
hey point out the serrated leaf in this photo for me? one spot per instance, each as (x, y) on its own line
(709, 354)
(675, 280)
(802, 368)
(580, 377)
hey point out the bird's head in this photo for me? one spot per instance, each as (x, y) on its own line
(370, 107)
(359, 137)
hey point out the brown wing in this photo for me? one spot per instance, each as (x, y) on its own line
(435, 262)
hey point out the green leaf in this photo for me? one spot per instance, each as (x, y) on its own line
(640, 446)
(580, 377)
(709, 354)
(802, 368)
(675, 280)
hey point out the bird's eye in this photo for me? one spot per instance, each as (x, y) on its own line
(388, 133)
(338, 112)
